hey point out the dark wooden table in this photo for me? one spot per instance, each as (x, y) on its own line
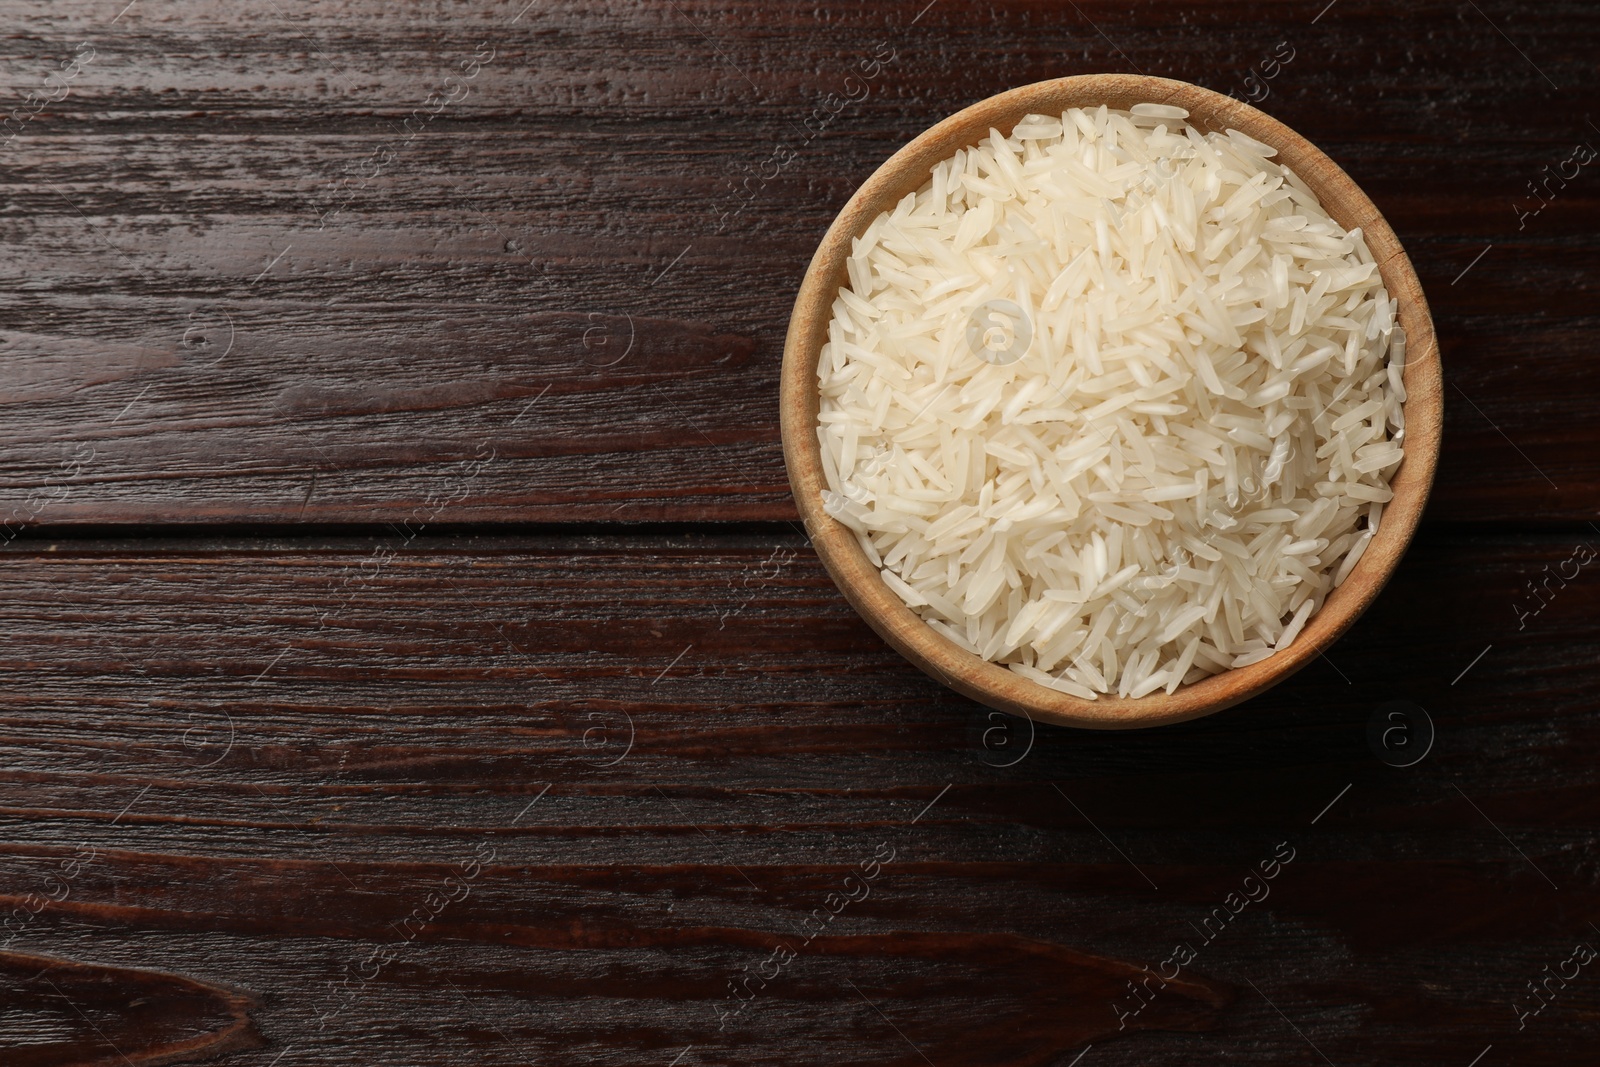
(410, 658)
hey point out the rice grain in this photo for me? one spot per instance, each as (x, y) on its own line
(1112, 402)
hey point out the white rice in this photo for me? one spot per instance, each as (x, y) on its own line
(1112, 402)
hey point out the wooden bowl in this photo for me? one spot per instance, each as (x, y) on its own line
(859, 580)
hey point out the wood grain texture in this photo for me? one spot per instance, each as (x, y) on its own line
(101, 1011)
(504, 800)
(248, 280)
(572, 795)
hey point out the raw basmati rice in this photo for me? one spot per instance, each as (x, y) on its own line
(1112, 402)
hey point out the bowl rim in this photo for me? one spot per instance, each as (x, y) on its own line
(859, 580)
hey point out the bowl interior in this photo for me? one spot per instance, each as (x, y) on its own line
(859, 580)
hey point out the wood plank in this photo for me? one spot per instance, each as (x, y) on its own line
(245, 290)
(648, 761)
